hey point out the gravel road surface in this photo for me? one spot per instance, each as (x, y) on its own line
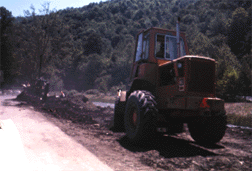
(45, 146)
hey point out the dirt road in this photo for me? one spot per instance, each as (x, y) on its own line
(91, 130)
(46, 147)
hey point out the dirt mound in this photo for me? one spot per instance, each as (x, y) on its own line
(78, 100)
(75, 107)
(25, 96)
(22, 96)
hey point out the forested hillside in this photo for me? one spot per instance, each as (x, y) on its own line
(93, 46)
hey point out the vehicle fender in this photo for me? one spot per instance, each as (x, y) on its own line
(140, 84)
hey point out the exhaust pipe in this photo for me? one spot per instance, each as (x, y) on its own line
(177, 35)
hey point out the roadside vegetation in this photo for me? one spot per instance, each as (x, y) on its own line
(92, 47)
(240, 120)
(239, 114)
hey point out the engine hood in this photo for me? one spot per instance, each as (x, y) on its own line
(164, 62)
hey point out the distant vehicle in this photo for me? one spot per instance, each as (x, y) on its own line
(168, 87)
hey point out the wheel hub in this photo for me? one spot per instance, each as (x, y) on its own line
(134, 117)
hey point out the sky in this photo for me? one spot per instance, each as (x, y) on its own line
(17, 7)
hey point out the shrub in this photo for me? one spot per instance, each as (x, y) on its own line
(114, 89)
(56, 83)
(92, 92)
(72, 93)
(240, 120)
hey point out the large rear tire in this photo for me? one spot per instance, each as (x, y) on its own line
(140, 117)
(208, 131)
(119, 110)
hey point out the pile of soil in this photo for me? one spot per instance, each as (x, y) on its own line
(76, 107)
(89, 125)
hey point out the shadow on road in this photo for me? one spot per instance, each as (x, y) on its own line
(12, 102)
(171, 147)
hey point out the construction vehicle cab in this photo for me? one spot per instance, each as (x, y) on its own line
(154, 48)
(167, 88)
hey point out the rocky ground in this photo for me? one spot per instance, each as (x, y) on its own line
(79, 118)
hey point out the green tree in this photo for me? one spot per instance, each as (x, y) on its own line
(43, 41)
(39, 33)
(238, 27)
(87, 73)
(102, 83)
(94, 44)
(7, 62)
(245, 77)
(228, 72)
(218, 25)
(44, 46)
(228, 84)
(107, 30)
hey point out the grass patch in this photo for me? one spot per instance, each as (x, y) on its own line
(240, 120)
(104, 99)
(239, 113)
(242, 109)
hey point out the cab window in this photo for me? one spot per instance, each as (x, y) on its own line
(166, 47)
(146, 47)
(139, 47)
(182, 47)
(160, 46)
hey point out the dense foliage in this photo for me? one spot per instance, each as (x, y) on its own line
(92, 46)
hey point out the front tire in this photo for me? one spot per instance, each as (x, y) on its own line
(208, 131)
(140, 116)
(119, 109)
